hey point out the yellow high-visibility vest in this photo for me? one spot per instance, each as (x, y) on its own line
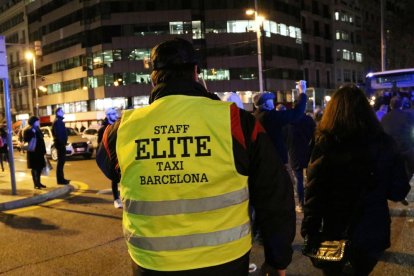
(185, 204)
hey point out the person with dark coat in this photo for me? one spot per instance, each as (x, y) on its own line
(110, 119)
(233, 153)
(4, 150)
(299, 142)
(36, 158)
(60, 139)
(399, 124)
(354, 169)
(273, 121)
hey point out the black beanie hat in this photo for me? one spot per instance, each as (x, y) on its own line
(173, 54)
(32, 120)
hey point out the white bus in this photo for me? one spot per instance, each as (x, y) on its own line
(381, 86)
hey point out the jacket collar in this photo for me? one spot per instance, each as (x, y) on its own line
(187, 88)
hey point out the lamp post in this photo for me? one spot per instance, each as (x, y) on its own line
(258, 20)
(383, 45)
(32, 57)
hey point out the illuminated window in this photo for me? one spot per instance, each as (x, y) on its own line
(336, 16)
(176, 27)
(216, 74)
(346, 55)
(240, 26)
(273, 27)
(138, 54)
(283, 29)
(298, 33)
(358, 57)
(55, 88)
(140, 101)
(180, 27)
(292, 32)
(338, 35)
(196, 29)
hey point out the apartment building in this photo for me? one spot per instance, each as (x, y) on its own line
(14, 27)
(318, 63)
(95, 53)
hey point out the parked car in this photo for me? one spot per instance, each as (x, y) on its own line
(77, 145)
(18, 142)
(15, 140)
(91, 134)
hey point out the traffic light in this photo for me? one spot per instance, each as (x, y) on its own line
(38, 48)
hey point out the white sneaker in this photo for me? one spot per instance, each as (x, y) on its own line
(118, 204)
(252, 267)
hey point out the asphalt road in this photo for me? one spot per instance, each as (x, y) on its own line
(82, 235)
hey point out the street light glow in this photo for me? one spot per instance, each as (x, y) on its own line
(260, 19)
(250, 12)
(29, 55)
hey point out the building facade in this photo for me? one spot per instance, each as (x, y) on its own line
(95, 53)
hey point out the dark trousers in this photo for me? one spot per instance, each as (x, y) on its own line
(36, 173)
(238, 267)
(299, 185)
(115, 192)
(61, 151)
(409, 162)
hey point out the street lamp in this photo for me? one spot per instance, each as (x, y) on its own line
(258, 20)
(30, 56)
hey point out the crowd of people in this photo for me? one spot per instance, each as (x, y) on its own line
(197, 173)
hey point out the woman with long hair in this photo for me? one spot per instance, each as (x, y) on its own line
(35, 158)
(354, 169)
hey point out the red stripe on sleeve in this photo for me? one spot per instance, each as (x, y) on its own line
(105, 141)
(258, 128)
(236, 128)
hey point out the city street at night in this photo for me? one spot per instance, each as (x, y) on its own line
(82, 234)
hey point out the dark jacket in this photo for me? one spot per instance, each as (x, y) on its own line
(101, 130)
(270, 187)
(36, 159)
(300, 141)
(273, 121)
(60, 135)
(399, 125)
(349, 183)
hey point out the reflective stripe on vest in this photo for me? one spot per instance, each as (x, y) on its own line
(186, 205)
(189, 241)
(182, 206)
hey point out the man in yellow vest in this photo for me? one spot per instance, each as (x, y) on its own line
(189, 165)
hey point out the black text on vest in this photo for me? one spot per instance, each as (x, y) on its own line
(150, 148)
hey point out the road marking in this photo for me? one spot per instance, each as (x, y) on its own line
(80, 188)
(104, 191)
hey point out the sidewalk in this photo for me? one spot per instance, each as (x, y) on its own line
(25, 193)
